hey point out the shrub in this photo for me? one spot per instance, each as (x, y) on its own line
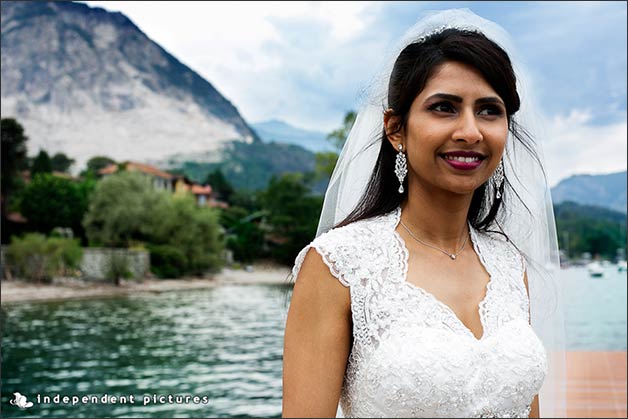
(167, 261)
(194, 231)
(117, 267)
(38, 258)
(68, 251)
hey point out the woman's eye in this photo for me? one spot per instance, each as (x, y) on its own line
(442, 107)
(491, 110)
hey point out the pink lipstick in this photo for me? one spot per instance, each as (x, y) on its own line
(463, 160)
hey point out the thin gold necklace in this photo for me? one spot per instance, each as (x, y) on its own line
(453, 256)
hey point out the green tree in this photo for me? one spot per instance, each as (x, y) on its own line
(247, 199)
(50, 201)
(97, 163)
(293, 215)
(326, 161)
(243, 234)
(41, 163)
(193, 230)
(325, 164)
(122, 210)
(338, 137)
(587, 228)
(220, 184)
(13, 154)
(61, 163)
(125, 210)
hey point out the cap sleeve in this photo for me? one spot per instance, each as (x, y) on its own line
(328, 250)
(339, 249)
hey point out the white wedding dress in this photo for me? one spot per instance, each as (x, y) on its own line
(411, 354)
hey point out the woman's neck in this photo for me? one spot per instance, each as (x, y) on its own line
(438, 217)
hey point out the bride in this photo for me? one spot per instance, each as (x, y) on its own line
(429, 289)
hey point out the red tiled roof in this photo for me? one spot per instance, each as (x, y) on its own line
(107, 170)
(16, 217)
(201, 190)
(140, 167)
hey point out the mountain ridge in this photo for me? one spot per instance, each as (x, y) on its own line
(86, 81)
(281, 131)
(607, 190)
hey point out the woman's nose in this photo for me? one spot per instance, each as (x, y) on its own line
(467, 129)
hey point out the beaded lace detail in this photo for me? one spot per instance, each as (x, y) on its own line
(411, 355)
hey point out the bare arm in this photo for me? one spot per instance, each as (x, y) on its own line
(534, 412)
(317, 342)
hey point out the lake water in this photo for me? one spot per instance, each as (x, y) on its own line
(224, 344)
(595, 310)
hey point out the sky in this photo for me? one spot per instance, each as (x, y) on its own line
(306, 63)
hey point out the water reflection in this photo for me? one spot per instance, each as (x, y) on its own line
(224, 343)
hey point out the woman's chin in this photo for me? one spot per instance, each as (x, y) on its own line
(463, 188)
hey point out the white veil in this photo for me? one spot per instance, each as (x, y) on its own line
(528, 221)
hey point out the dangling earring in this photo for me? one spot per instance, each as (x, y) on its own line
(498, 179)
(401, 167)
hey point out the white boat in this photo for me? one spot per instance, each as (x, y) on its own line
(621, 266)
(595, 270)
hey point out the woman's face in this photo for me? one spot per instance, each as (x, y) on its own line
(456, 131)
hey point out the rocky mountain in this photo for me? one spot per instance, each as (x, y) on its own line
(86, 82)
(275, 130)
(608, 191)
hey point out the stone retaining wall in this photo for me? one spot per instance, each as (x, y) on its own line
(95, 261)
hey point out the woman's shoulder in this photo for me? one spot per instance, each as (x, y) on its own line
(364, 228)
(348, 232)
(345, 249)
(357, 236)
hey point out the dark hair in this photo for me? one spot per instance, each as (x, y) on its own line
(416, 63)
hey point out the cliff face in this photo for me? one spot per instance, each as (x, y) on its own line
(86, 82)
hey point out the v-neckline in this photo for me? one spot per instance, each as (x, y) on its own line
(404, 278)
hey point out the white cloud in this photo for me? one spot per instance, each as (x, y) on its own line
(247, 49)
(305, 62)
(576, 146)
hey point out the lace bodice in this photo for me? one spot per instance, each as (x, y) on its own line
(411, 355)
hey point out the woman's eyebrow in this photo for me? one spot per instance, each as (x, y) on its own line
(458, 99)
(490, 99)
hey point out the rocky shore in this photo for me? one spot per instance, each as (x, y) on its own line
(16, 291)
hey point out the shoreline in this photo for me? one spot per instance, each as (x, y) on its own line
(21, 291)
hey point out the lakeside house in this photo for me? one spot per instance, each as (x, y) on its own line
(177, 184)
(160, 179)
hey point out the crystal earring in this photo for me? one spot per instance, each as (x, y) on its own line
(401, 167)
(498, 179)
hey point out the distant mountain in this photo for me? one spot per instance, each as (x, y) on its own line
(607, 191)
(279, 131)
(86, 82)
(569, 210)
(250, 166)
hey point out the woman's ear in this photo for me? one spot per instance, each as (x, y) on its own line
(393, 130)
